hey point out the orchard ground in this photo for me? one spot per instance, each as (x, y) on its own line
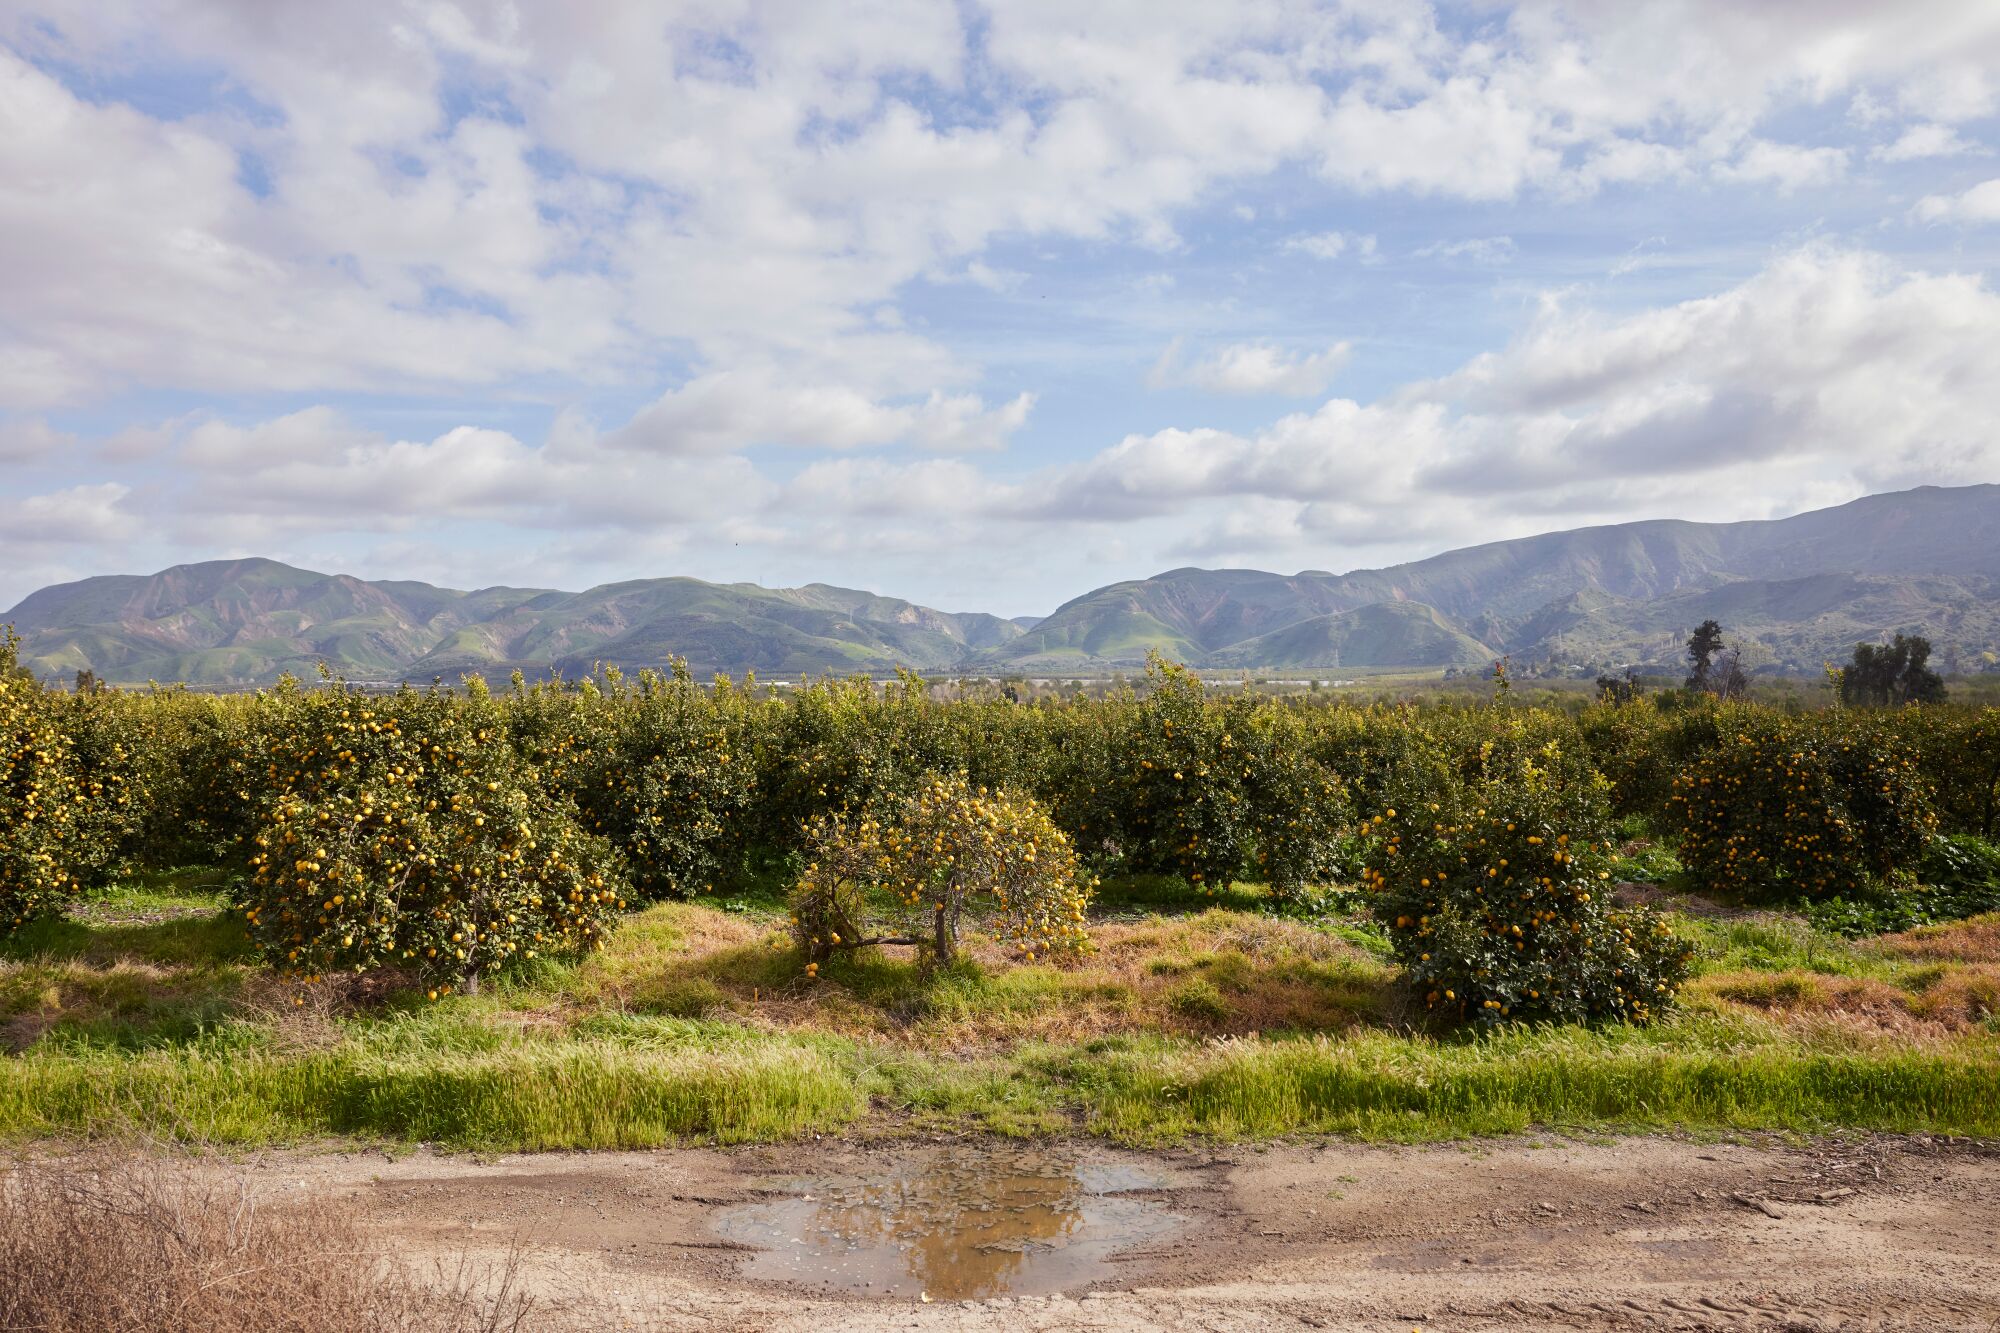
(1267, 1062)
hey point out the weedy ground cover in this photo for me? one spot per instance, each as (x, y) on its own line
(694, 1023)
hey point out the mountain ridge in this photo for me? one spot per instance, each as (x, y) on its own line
(1793, 591)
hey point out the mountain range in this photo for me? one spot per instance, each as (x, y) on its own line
(1791, 592)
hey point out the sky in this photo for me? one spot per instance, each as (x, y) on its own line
(980, 305)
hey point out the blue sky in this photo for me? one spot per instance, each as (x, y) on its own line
(979, 305)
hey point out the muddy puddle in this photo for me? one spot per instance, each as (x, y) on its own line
(957, 1222)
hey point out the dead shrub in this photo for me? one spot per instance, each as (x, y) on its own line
(118, 1241)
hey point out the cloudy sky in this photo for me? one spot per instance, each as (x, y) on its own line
(977, 304)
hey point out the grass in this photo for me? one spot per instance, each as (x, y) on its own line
(1195, 1015)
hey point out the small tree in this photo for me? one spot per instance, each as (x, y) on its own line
(948, 851)
(1893, 674)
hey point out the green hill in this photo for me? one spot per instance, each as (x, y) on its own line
(1385, 634)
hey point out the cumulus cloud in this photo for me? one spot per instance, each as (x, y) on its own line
(728, 410)
(745, 216)
(76, 516)
(1923, 141)
(1787, 166)
(1829, 369)
(32, 439)
(1252, 368)
(482, 193)
(1981, 203)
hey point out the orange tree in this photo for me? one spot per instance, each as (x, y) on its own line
(404, 830)
(1494, 889)
(1181, 780)
(1958, 750)
(1807, 806)
(841, 745)
(910, 873)
(1296, 807)
(43, 849)
(128, 754)
(673, 782)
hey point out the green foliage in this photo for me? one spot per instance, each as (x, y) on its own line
(1296, 807)
(1183, 779)
(1959, 877)
(1801, 807)
(1494, 888)
(663, 769)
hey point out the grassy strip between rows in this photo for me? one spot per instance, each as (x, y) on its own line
(584, 1094)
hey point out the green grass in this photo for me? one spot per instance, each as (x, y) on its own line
(634, 1082)
(143, 1014)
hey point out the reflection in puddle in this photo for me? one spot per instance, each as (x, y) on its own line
(954, 1223)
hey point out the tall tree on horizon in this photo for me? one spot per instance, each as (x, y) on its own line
(1703, 645)
(1892, 674)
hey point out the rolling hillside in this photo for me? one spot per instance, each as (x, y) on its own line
(1794, 592)
(1926, 558)
(245, 622)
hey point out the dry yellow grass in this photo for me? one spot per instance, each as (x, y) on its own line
(1975, 940)
(1214, 974)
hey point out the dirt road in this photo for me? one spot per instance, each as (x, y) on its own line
(1636, 1233)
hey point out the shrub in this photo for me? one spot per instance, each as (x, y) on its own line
(1801, 807)
(408, 832)
(911, 875)
(1959, 752)
(118, 1241)
(124, 749)
(1494, 892)
(841, 746)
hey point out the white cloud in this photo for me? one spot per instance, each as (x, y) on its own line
(1830, 371)
(1981, 203)
(1929, 139)
(1331, 245)
(729, 410)
(75, 517)
(1478, 249)
(32, 439)
(749, 181)
(1787, 166)
(1252, 368)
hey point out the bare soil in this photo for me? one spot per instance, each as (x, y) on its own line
(1846, 1233)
